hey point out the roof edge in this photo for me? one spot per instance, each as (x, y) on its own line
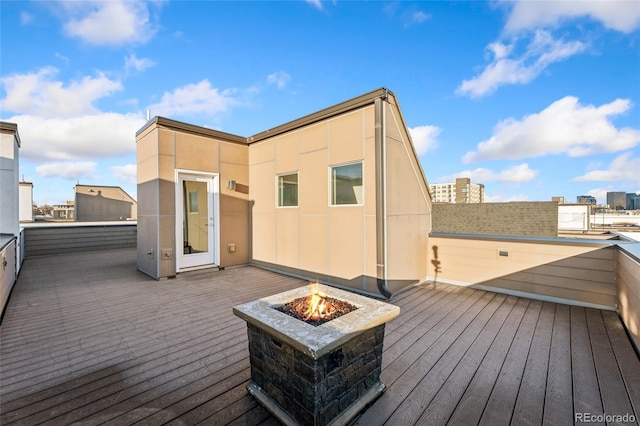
(11, 127)
(323, 114)
(192, 128)
(346, 106)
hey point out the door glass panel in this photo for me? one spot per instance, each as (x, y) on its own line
(196, 217)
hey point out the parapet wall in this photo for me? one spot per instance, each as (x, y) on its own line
(535, 219)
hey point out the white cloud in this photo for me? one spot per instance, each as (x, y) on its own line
(132, 62)
(600, 193)
(419, 17)
(127, 173)
(109, 22)
(198, 98)
(90, 136)
(26, 18)
(515, 174)
(39, 94)
(504, 198)
(623, 167)
(565, 126)
(280, 79)
(425, 138)
(623, 16)
(315, 3)
(72, 170)
(542, 51)
(63, 58)
(59, 121)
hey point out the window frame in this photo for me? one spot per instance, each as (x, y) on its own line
(330, 177)
(278, 199)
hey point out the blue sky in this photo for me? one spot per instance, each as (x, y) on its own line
(533, 99)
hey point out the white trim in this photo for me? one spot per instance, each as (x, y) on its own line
(277, 200)
(213, 179)
(330, 192)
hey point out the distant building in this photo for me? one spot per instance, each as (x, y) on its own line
(9, 179)
(460, 191)
(25, 197)
(559, 200)
(617, 200)
(633, 201)
(63, 211)
(586, 199)
(100, 203)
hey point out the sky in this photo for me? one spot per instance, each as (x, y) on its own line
(533, 99)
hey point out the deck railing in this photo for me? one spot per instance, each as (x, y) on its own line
(69, 237)
(602, 274)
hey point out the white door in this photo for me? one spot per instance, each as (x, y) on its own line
(195, 225)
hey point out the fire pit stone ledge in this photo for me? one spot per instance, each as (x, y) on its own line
(316, 375)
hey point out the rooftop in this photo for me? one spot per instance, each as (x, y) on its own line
(88, 338)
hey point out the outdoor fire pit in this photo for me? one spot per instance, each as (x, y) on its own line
(316, 353)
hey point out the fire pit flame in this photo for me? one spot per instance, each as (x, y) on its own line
(316, 308)
(318, 305)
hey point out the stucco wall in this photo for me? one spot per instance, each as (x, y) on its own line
(9, 172)
(537, 219)
(147, 153)
(408, 205)
(161, 150)
(569, 271)
(628, 293)
(335, 244)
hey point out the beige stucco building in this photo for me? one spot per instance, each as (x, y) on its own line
(337, 196)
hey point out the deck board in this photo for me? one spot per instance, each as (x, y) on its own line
(409, 411)
(87, 338)
(558, 406)
(499, 408)
(530, 400)
(586, 393)
(442, 406)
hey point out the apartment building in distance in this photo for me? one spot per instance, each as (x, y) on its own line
(460, 191)
(617, 200)
(633, 201)
(586, 199)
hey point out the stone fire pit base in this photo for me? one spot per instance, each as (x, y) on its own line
(316, 376)
(332, 389)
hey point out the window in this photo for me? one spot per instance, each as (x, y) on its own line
(346, 184)
(288, 190)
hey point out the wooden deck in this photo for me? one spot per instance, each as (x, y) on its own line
(88, 339)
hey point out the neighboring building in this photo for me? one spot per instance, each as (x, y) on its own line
(103, 203)
(63, 211)
(10, 245)
(617, 200)
(26, 201)
(586, 199)
(9, 179)
(460, 191)
(337, 196)
(633, 201)
(559, 200)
